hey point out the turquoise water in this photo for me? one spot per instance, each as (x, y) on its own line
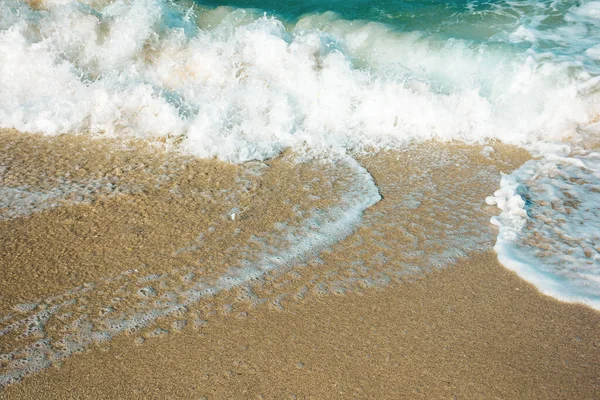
(482, 21)
(551, 28)
(403, 14)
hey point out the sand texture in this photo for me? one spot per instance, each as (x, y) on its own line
(125, 275)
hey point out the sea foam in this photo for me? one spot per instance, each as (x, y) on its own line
(550, 225)
(241, 85)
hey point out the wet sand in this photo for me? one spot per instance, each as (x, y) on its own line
(394, 310)
(472, 331)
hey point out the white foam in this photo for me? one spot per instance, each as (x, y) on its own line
(589, 10)
(246, 87)
(24, 200)
(315, 233)
(140, 305)
(550, 225)
(561, 31)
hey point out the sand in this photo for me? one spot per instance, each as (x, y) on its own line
(394, 310)
(471, 331)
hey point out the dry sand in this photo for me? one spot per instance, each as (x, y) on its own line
(391, 311)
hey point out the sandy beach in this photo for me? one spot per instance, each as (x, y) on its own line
(471, 331)
(248, 199)
(413, 303)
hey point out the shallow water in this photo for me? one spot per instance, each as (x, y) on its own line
(276, 232)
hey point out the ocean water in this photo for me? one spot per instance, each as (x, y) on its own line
(244, 81)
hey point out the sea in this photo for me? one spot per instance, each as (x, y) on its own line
(356, 89)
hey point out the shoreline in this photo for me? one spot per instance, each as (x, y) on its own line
(412, 303)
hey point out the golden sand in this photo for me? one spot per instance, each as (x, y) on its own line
(472, 331)
(344, 324)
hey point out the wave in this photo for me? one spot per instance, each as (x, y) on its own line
(240, 85)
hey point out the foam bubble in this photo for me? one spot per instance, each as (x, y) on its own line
(242, 86)
(142, 306)
(549, 225)
(24, 200)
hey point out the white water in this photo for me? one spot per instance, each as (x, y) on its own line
(550, 225)
(249, 87)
